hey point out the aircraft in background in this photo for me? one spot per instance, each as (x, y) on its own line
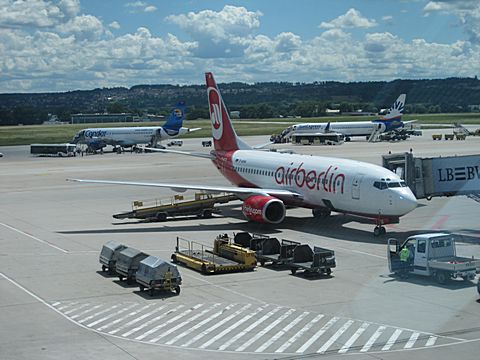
(131, 137)
(268, 181)
(389, 122)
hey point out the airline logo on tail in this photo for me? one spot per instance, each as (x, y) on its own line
(215, 113)
(175, 120)
(396, 111)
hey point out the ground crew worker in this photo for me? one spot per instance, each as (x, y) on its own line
(404, 260)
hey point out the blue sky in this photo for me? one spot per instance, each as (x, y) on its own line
(59, 45)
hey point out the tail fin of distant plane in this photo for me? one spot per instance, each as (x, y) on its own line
(396, 111)
(224, 136)
(175, 120)
(393, 118)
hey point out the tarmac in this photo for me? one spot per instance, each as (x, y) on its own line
(56, 303)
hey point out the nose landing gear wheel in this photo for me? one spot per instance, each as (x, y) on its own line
(379, 230)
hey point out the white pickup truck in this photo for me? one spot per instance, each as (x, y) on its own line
(432, 255)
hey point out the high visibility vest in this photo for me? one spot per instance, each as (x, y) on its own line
(404, 254)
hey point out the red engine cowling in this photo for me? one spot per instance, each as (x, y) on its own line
(263, 209)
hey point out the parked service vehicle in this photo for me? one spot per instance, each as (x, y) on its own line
(156, 274)
(128, 262)
(433, 255)
(175, 143)
(109, 255)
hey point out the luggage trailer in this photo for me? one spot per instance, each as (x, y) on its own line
(203, 259)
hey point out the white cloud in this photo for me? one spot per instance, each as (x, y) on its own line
(36, 13)
(150, 8)
(114, 25)
(219, 34)
(467, 11)
(83, 27)
(64, 50)
(351, 19)
(140, 6)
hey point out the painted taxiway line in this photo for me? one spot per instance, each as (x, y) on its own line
(35, 238)
(392, 341)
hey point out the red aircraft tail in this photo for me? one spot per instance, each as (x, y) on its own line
(224, 136)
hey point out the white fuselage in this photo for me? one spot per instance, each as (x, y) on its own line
(127, 136)
(357, 128)
(338, 184)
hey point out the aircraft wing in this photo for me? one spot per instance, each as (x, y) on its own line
(189, 153)
(261, 146)
(241, 192)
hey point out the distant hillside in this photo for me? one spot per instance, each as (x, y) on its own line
(260, 100)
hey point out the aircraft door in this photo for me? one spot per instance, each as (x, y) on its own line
(393, 250)
(357, 180)
(421, 261)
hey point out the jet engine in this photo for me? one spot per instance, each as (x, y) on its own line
(265, 209)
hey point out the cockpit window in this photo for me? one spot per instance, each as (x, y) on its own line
(380, 185)
(389, 184)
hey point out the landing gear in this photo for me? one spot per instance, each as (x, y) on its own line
(321, 213)
(379, 231)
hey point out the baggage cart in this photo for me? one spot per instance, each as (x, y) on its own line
(271, 250)
(200, 258)
(109, 255)
(250, 241)
(320, 260)
(127, 263)
(156, 274)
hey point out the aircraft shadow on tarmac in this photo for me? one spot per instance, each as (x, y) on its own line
(336, 226)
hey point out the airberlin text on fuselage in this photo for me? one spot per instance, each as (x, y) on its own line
(328, 181)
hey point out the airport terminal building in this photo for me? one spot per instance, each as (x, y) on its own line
(101, 118)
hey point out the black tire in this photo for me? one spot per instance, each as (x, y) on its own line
(376, 231)
(383, 231)
(441, 277)
(104, 268)
(161, 216)
(120, 278)
(174, 258)
(207, 214)
(142, 288)
(293, 270)
(262, 263)
(204, 269)
(328, 271)
(177, 290)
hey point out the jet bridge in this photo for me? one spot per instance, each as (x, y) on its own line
(437, 176)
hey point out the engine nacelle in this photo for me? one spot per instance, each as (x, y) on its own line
(265, 209)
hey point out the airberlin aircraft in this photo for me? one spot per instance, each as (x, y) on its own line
(268, 181)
